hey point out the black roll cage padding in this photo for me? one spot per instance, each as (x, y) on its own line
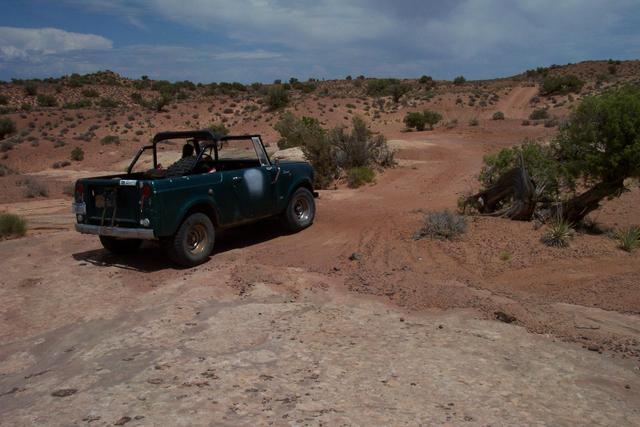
(196, 136)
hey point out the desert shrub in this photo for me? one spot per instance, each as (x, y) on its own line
(307, 133)
(34, 188)
(294, 132)
(443, 225)
(137, 98)
(559, 233)
(419, 120)
(4, 100)
(12, 225)
(525, 123)
(46, 100)
(550, 123)
(31, 89)
(561, 85)
(61, 164)
(427, 81)
(459, 80)
(6, 145)
(158, 103)
(77, 154)
(474, 122)
(329, 152)
(277, 97)
(83, 103)
(628, 238)
(110, 139)
(539, 114)
(359, 176)
(415, 120)
(360, 147)
(219, 129)
(108, 103)
(498, 115)
(5, 170)
(90, 93)
(7, 127)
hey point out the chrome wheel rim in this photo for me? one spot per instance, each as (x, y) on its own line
(197, 239)
(302, 209)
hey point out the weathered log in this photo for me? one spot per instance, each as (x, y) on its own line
(513, 186)
(574, 210)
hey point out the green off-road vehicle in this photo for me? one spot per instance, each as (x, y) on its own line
(218, 182)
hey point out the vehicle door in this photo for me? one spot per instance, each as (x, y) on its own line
(250, 176)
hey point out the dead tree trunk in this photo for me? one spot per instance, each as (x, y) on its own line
(574, 210)
(514, 186)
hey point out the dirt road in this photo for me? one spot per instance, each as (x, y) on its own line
(291, 329)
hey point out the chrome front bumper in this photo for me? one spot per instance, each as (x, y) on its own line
(123, 233)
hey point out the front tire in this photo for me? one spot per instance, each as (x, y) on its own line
(193, 242)
(120, 246)
(300, 212)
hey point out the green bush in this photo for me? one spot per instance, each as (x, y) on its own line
(460, 80)
(474, 122)
(539, 114)
(415, 120)
(444, 225)
(360, 147)
(561, 85)
(600, 142)
(498, 115)
(7, 127)
(628, 238)
(158, 103)
(359, 176)
(419, 120)
(538, 158)
(110, 139)
(46, 101)
(12, 225)
(277, 97)
(381, 87)
(219, 129)
(77, 154)
(294, 132)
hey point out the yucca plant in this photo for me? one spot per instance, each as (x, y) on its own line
(559, 233)
(628, 238)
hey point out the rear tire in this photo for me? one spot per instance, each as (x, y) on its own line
(300, 212)
(193, 242)
(120, 246)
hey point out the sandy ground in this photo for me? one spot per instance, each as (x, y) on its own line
(292, 329)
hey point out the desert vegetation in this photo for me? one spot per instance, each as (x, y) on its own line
(588, 161)
(337, 151)
(419, 120)
(12, 225)
(442, 225)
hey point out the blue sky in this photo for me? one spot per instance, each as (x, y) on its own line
(263, 40)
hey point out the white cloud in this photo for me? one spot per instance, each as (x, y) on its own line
(29, 43)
